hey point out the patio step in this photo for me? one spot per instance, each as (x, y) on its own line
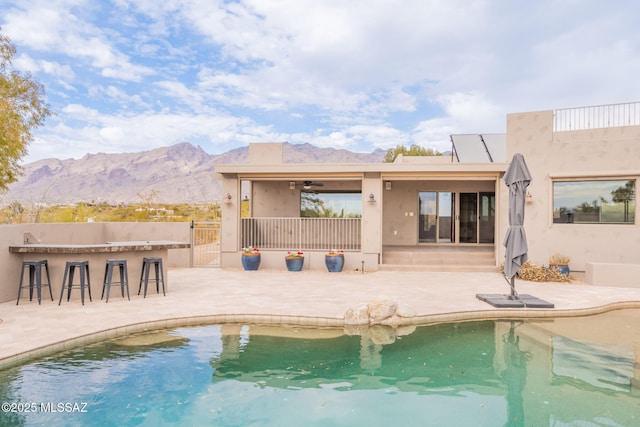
(439, 258)
(439, 268)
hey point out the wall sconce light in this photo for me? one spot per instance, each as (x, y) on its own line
(227, 198)
(245, 198)
(292, 185)
(529, 197)
(372, 198)
(387, 185)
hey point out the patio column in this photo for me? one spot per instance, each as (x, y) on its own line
(371, 220)
(230, 227)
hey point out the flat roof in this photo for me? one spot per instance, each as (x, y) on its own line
(358, 169)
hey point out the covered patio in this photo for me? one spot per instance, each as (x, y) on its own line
(413, 205)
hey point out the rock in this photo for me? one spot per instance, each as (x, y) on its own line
(380, 310)
(357, 315)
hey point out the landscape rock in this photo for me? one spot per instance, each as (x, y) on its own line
(381, 310)
(357, 315)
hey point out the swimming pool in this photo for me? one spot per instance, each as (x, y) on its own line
(561, 372)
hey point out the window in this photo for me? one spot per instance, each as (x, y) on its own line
(594, 202)
(330, 204)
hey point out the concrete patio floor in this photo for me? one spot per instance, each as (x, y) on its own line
(307, 298)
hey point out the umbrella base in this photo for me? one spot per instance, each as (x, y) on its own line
(510, 301)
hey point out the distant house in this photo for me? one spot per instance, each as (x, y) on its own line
(449, 212)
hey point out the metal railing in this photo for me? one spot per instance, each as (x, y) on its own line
(205, 244)
(597, 117)
(302, 233)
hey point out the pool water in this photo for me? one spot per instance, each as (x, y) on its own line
(563, 372)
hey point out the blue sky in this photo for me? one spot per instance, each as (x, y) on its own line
(131, 75)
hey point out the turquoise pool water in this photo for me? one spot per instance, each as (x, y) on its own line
(563, 372)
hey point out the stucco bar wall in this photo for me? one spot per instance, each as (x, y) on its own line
(85, 233)
(611, 153)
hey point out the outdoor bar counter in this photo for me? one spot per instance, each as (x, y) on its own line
(97, 254)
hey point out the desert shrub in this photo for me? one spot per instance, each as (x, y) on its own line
(533, 272)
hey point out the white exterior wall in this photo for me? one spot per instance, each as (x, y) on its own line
(401, 205)
(611, 153)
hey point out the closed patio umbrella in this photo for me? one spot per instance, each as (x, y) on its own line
(517, 177)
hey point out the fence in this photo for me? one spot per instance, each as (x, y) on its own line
(205, 244)
(302, 233)
(597, 117)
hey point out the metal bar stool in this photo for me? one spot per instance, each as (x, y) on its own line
(144, 274)
(108, 274)
(83, 268)
(35, 279)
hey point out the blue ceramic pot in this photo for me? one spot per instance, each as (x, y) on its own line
(294, 264)
(564, 269)
(334, 263)
(250, 262)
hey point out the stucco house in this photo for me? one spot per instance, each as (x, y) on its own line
(448, 212)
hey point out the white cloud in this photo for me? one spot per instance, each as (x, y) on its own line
(52, 27)
(355, 74)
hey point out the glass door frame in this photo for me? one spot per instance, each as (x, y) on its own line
(430, 226)
(436, 217)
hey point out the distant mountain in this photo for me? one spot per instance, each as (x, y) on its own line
(181, 173)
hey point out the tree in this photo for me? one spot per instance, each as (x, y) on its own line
(22, 108)
(624, 195)
(414, 150)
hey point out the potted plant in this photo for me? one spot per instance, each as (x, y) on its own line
(294, 260)
(559, 262)
(334, 260)
(250, 258)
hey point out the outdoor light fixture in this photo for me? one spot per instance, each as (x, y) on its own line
(387, 185)
(372, 198)
(227, 198)
(292, 185)
(245, 198)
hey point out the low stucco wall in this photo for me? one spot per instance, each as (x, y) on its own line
(83, 233)
(613, 274)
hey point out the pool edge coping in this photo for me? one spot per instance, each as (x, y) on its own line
(304, 321)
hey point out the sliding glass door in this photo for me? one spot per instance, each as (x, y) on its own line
(477, 217)
(436, 215)
(439, 221)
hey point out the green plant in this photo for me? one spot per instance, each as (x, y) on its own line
(250, 251)
(295, 254)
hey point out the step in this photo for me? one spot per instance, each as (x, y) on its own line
(438, 258)
(439, 268)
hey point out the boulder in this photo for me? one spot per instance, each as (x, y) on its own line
(357, 315)
(382, 309)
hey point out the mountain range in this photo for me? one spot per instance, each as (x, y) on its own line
(182, 173)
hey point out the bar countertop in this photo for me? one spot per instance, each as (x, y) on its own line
(60, 248)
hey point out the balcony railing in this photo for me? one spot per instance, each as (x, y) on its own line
(302, 233)
(597, 117)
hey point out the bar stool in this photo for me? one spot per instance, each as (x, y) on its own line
(35, 279)
(144, 274)
(69, 269)
(108, 273)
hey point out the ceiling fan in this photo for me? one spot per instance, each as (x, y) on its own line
(307, 185)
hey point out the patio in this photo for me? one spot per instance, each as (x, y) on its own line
(308, 298)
